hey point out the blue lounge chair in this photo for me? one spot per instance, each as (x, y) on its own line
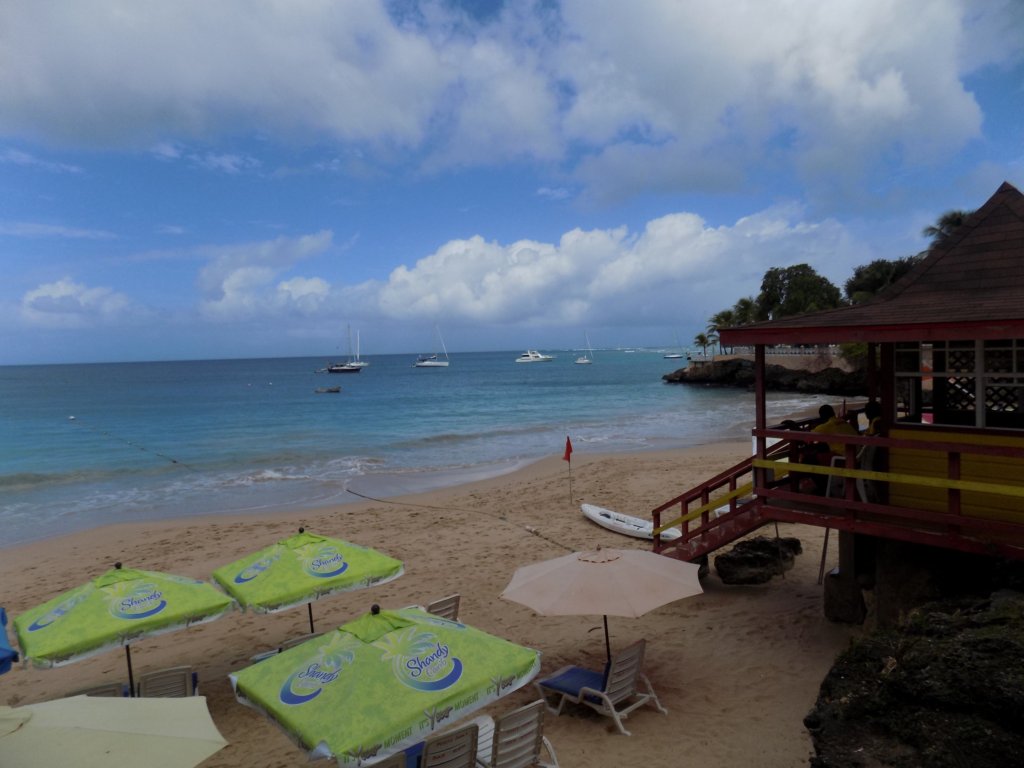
(604, 693)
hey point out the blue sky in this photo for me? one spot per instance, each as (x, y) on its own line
(241, 178)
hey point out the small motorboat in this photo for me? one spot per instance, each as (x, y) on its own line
(327, 390)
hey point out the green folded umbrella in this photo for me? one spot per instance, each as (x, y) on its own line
(114, 610)
(301, 569)
(383, 682)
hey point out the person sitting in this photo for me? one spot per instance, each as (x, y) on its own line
(821, 452)
(873, 413)
(833, 425)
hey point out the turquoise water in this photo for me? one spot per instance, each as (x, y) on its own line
(88, 445)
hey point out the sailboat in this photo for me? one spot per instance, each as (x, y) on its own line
(350, 366)
(358, 362)
(433, 361)
(587, 358)
(674, 355)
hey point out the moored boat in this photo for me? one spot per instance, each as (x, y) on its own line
(533, 356)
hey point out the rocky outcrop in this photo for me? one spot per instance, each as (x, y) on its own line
(738, 372)
(944, 689)
(757, 560)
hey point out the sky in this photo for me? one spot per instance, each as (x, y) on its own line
(248, 178)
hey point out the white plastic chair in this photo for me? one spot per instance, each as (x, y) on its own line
(454, 748)
(515, 739)
(446, 607)
(168, 683)
(604, 693)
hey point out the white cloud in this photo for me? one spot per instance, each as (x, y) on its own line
(687, 94)
(125, 73)
(245, 281)
(33, 229)
(17, 157)
(225, 162)
(608, 276)
(67, 304)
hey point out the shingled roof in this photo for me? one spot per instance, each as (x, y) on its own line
(971, 286)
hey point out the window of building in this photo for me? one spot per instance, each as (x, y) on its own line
(968, 383)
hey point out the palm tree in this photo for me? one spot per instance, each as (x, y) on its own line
(744, 311)
(724, 319)
(946, 225)
(701, 340)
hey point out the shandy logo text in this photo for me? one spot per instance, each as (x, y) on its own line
(144, 600)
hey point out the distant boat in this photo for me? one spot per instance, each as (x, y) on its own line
(358, 362)
(588, 358)
(327, 390)
(533, 356)
(675, 355)
(350, 366)
(433, 361)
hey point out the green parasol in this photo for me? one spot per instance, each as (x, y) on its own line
(383, 682)
(112, 610)
(301, 569)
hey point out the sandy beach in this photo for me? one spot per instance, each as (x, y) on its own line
(737, 667)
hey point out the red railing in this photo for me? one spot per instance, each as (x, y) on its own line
(757, 491)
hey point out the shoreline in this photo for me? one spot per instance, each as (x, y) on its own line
(754, 655)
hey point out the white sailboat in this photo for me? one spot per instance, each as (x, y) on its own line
(674, 355)
(433, 361)
(348, 366)
(358, 362)
(587, 358)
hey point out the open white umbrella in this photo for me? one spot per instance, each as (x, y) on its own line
(101, 731)
(608, 582)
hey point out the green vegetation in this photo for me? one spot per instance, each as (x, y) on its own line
(788, 291)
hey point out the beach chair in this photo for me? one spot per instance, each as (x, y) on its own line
(446, 607)
(514, 740)
(455, 748)
(604, 693)
(168, 683)
(106, 689)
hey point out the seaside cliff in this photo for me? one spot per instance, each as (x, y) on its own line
(810, 374)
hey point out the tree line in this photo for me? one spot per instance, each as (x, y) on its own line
(788, 291)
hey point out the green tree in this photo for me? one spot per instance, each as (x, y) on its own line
(745, 310)
(724, 319)
(869, 280)
(794, 290)
(946, 225)
(701, 340)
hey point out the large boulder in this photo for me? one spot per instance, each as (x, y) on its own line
(945, 689)
(757, 560)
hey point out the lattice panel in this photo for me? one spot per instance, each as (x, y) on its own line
(998, 361)
(958, 395)
(1002, 396)
(960, 361)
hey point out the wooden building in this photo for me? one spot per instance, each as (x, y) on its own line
(946, 363)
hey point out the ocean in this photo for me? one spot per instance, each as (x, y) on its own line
(93, 444)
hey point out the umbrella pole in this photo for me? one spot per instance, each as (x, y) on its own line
(607, 642)
(309, 607)
(131, 677)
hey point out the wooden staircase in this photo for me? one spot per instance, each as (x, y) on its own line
(715, 513)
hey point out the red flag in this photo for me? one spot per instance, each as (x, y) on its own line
(567, 456)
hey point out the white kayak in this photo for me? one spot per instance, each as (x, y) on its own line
(626, 524)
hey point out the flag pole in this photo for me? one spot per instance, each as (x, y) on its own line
(567, 456)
